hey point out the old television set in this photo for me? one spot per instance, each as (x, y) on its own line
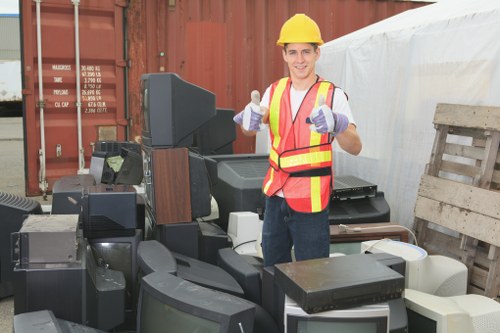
(373, 318)
(167, 301)
(216, 136)
(173, 109)
(245, 269)
(239, 184)
(456, 314)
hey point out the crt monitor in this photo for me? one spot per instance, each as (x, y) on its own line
(456, 314)
(167, 301)
(173, 109)
(216, 136)
(372, 318)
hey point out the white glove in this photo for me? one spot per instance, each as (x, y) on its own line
(251, 117)
(324, 120)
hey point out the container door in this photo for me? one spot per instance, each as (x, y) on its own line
(73, 85)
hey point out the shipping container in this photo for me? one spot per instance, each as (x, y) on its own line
(82, 63)
(73, 84)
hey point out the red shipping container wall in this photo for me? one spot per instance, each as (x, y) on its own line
(102, 90)
(229, 47)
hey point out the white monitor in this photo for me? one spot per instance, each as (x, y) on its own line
(458, 314)
(244, 229)
(364, 319)
(433, 274)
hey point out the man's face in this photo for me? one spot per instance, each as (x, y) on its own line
(301, 59)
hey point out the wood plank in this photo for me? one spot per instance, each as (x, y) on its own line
(492, 287)
(437, 151)
(484, 117)
(463, 196)
(478, 277)
(460, 169)
(489, 160)
(477, 135)
(464, 221)
(453, 149)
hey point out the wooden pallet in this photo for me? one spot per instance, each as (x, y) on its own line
(457, 211)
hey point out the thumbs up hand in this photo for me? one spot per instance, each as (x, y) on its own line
(251, 117)
(323, 120)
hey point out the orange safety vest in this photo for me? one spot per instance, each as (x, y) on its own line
(300, 159)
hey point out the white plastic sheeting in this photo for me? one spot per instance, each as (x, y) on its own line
(396, 71)
(10, 81)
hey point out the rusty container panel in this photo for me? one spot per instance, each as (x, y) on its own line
(102, 84)
(229, 47)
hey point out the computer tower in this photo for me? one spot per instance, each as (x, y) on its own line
(13, 211)
(67, 193)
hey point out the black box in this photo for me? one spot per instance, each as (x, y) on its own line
(67, 193)
(13, 211)
(339, 282)
(109, 211)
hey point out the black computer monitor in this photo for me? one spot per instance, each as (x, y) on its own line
(247, 275)
(217, 135)
(206, 275)
(239, 184)
(172, 109)
(167, 302)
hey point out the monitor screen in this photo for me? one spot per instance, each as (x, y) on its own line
(167, 301)
(372, 318)
(173, 109)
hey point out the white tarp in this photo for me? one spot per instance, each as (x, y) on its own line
(10, 81)
(396, 71)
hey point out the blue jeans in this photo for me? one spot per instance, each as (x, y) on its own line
(308, 233)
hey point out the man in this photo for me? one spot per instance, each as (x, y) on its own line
(304, 113)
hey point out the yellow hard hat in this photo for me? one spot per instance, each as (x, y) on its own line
(300, 28)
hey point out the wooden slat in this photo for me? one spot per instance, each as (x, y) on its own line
(493, 277)
(453, 149)
(483, 117)
(459, 168)
(463, 196)
(477, 135)
(478, 277)
(437, 151)
(488, 162)
(469, 223)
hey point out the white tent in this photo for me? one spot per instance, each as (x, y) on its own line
(396, 71)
